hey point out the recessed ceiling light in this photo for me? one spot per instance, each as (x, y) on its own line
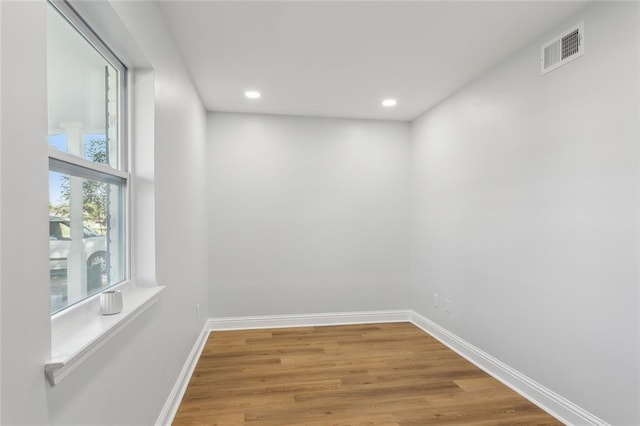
(389, 103)
(252, 94)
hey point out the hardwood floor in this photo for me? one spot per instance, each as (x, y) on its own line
(378, 374)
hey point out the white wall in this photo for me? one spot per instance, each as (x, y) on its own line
(307, 215)
(0, 213)
(26, 337)
(525, 215)
(129, 379)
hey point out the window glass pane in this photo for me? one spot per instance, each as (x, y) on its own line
(86, 203)
(82, 95)
(86, 237)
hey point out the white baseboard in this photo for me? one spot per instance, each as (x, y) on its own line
(554, 404)
(559, 407)
(282, 321)
(180, 387)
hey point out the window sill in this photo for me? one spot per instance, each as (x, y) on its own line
(78, 333)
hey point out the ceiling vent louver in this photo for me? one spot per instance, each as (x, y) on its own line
(562, 49)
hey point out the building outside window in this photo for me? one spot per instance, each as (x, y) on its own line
(88, 167)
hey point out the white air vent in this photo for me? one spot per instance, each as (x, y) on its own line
(562, 49)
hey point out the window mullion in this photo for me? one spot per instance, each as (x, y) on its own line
(65, 163)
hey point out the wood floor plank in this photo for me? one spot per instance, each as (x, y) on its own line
(372, 374)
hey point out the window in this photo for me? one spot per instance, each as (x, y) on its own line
(88, 176)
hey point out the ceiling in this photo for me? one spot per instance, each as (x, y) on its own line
(341, 59)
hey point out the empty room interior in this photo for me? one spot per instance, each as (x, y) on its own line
(404, 203)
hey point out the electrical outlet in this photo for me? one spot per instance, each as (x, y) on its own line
(436, 300)
(447, 306)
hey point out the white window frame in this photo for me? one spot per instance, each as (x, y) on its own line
(78, 331)
(63, 162)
